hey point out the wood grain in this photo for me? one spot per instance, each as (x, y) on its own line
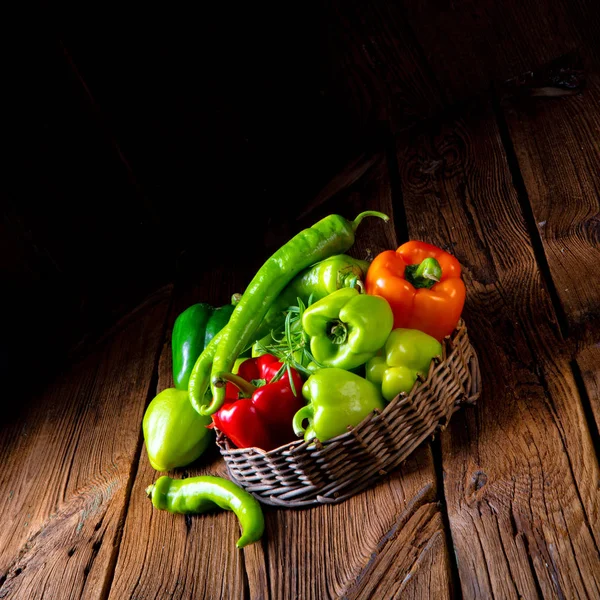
(469, 45)
(400, 559)
(520, 474)
(68, 460)
(371, 543)
(588, 364)
(557, 145)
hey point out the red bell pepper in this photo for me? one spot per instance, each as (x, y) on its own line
(258, 412)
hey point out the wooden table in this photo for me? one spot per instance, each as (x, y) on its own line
(505, 503)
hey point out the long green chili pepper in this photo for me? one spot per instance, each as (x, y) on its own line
(331, 235)
(200, 375)
(195, 495)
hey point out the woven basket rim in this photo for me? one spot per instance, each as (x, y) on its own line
(315, 444)
(303, 473)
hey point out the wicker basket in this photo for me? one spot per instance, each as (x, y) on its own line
(302, 474)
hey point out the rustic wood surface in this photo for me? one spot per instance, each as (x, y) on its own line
(586, 367)
(521, 474)
(471, 45)
(68, 459)
(558, 151)
(504, 504)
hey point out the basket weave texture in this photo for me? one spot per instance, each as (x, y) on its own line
(302, 474)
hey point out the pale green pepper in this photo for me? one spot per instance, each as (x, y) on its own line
(337, 399)
(347, 328)
(407, 354)
(175, 434)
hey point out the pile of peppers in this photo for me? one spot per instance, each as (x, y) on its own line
(317, 342)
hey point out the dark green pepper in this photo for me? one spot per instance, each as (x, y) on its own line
(193, 330)
(195, 495)
(174, 433)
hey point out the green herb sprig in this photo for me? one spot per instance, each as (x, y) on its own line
(292, 345)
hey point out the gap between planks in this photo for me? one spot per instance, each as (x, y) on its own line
(532, 228)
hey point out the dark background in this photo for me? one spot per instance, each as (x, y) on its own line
(145, 142)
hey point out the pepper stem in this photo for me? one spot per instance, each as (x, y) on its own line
(150, 490)
(352, 281)
(368, 213)
(306, 412)
(244, 386)
(425, 274)
(338, 333)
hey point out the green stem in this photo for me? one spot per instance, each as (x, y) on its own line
(352, 281)
(368, 213)
(425, 274)
(338, 333)
(306, 412)
(244, 386)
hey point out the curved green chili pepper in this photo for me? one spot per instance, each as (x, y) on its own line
(331, 235)
(195, 495)
(200, 375)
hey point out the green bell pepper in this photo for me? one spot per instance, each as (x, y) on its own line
(327, 276)
(193, 329)
(347, 328)
(406, 355)
(174, 433)
(336, 399)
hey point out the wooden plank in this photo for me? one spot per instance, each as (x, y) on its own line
(557, 147)
(588, 363)
(370, 544)
(323, 552)
(163, 555)
(428, 580)
(67, 465)
(404, 557)
(520, 475)
(471, 44)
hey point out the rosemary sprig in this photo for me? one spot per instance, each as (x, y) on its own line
(292, 345)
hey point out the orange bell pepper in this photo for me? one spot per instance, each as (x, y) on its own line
(422, 284)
